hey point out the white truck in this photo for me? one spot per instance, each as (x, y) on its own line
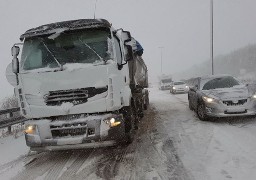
(80, 83)
(165, 82)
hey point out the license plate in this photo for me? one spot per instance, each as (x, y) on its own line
(238, 110)
(73, 131)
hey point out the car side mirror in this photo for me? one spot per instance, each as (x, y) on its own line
(194, 88)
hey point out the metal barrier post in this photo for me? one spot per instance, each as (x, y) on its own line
(10, 115)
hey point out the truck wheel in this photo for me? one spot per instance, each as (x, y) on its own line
(146, 103)
(129, 125)
(140, 107)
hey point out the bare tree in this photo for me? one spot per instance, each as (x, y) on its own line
(9, 102)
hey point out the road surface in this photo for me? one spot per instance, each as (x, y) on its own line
(171, 143)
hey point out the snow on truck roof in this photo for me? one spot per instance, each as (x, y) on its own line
(66, 25)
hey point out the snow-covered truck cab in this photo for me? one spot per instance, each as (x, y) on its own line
(74, 84)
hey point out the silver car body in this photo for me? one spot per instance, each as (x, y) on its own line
(223, 102)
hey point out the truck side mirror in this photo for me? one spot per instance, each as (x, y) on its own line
(15, 51)
(126, 47)
(10, 76)
(15, 62)
(126, 36)
(128, 53)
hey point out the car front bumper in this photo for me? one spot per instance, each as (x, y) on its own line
(222, 110)
(180, 90)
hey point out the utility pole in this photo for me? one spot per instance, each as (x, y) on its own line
(161, 51)
(211, 27)
(95, 6)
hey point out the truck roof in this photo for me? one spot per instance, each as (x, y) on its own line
(68, 25)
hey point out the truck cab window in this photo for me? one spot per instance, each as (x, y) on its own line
(118, 51)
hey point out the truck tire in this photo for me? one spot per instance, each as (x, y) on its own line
(129, 125)
(146, 102)
(140, 106)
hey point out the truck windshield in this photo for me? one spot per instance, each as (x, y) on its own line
(87, 46)
(166, 80)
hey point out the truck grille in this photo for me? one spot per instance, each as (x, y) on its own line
(75, 96)
(73, 129)
(238, 103)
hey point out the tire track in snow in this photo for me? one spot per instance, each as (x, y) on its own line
(58, 166)
(167, 151)
(40, 166)
(11, 164)
(71, 171)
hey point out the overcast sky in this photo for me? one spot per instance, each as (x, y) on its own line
(182, 27)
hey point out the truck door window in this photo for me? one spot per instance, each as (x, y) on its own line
(118, 51)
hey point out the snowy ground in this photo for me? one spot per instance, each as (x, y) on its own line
(172, 143)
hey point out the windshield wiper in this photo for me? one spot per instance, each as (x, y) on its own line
(60, 65)
(92, 50)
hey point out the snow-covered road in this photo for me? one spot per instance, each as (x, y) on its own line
(171, 143)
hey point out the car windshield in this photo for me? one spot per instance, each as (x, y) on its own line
(87, 46)
(221, 82)
(178, 83)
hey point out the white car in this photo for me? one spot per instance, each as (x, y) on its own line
(179, 87)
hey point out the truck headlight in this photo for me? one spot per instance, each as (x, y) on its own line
(30, 129)
(112, 122)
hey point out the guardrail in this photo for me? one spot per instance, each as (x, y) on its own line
(5, 111)
(10, 120)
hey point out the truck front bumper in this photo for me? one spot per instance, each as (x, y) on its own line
(87, 132)
(74, 146)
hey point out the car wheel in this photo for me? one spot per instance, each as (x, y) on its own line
(201, 112)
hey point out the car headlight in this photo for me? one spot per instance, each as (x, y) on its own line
(186, 87)
(254, 96)
(113, 121)
(30, 129)
(173, 87)
(209, 99)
